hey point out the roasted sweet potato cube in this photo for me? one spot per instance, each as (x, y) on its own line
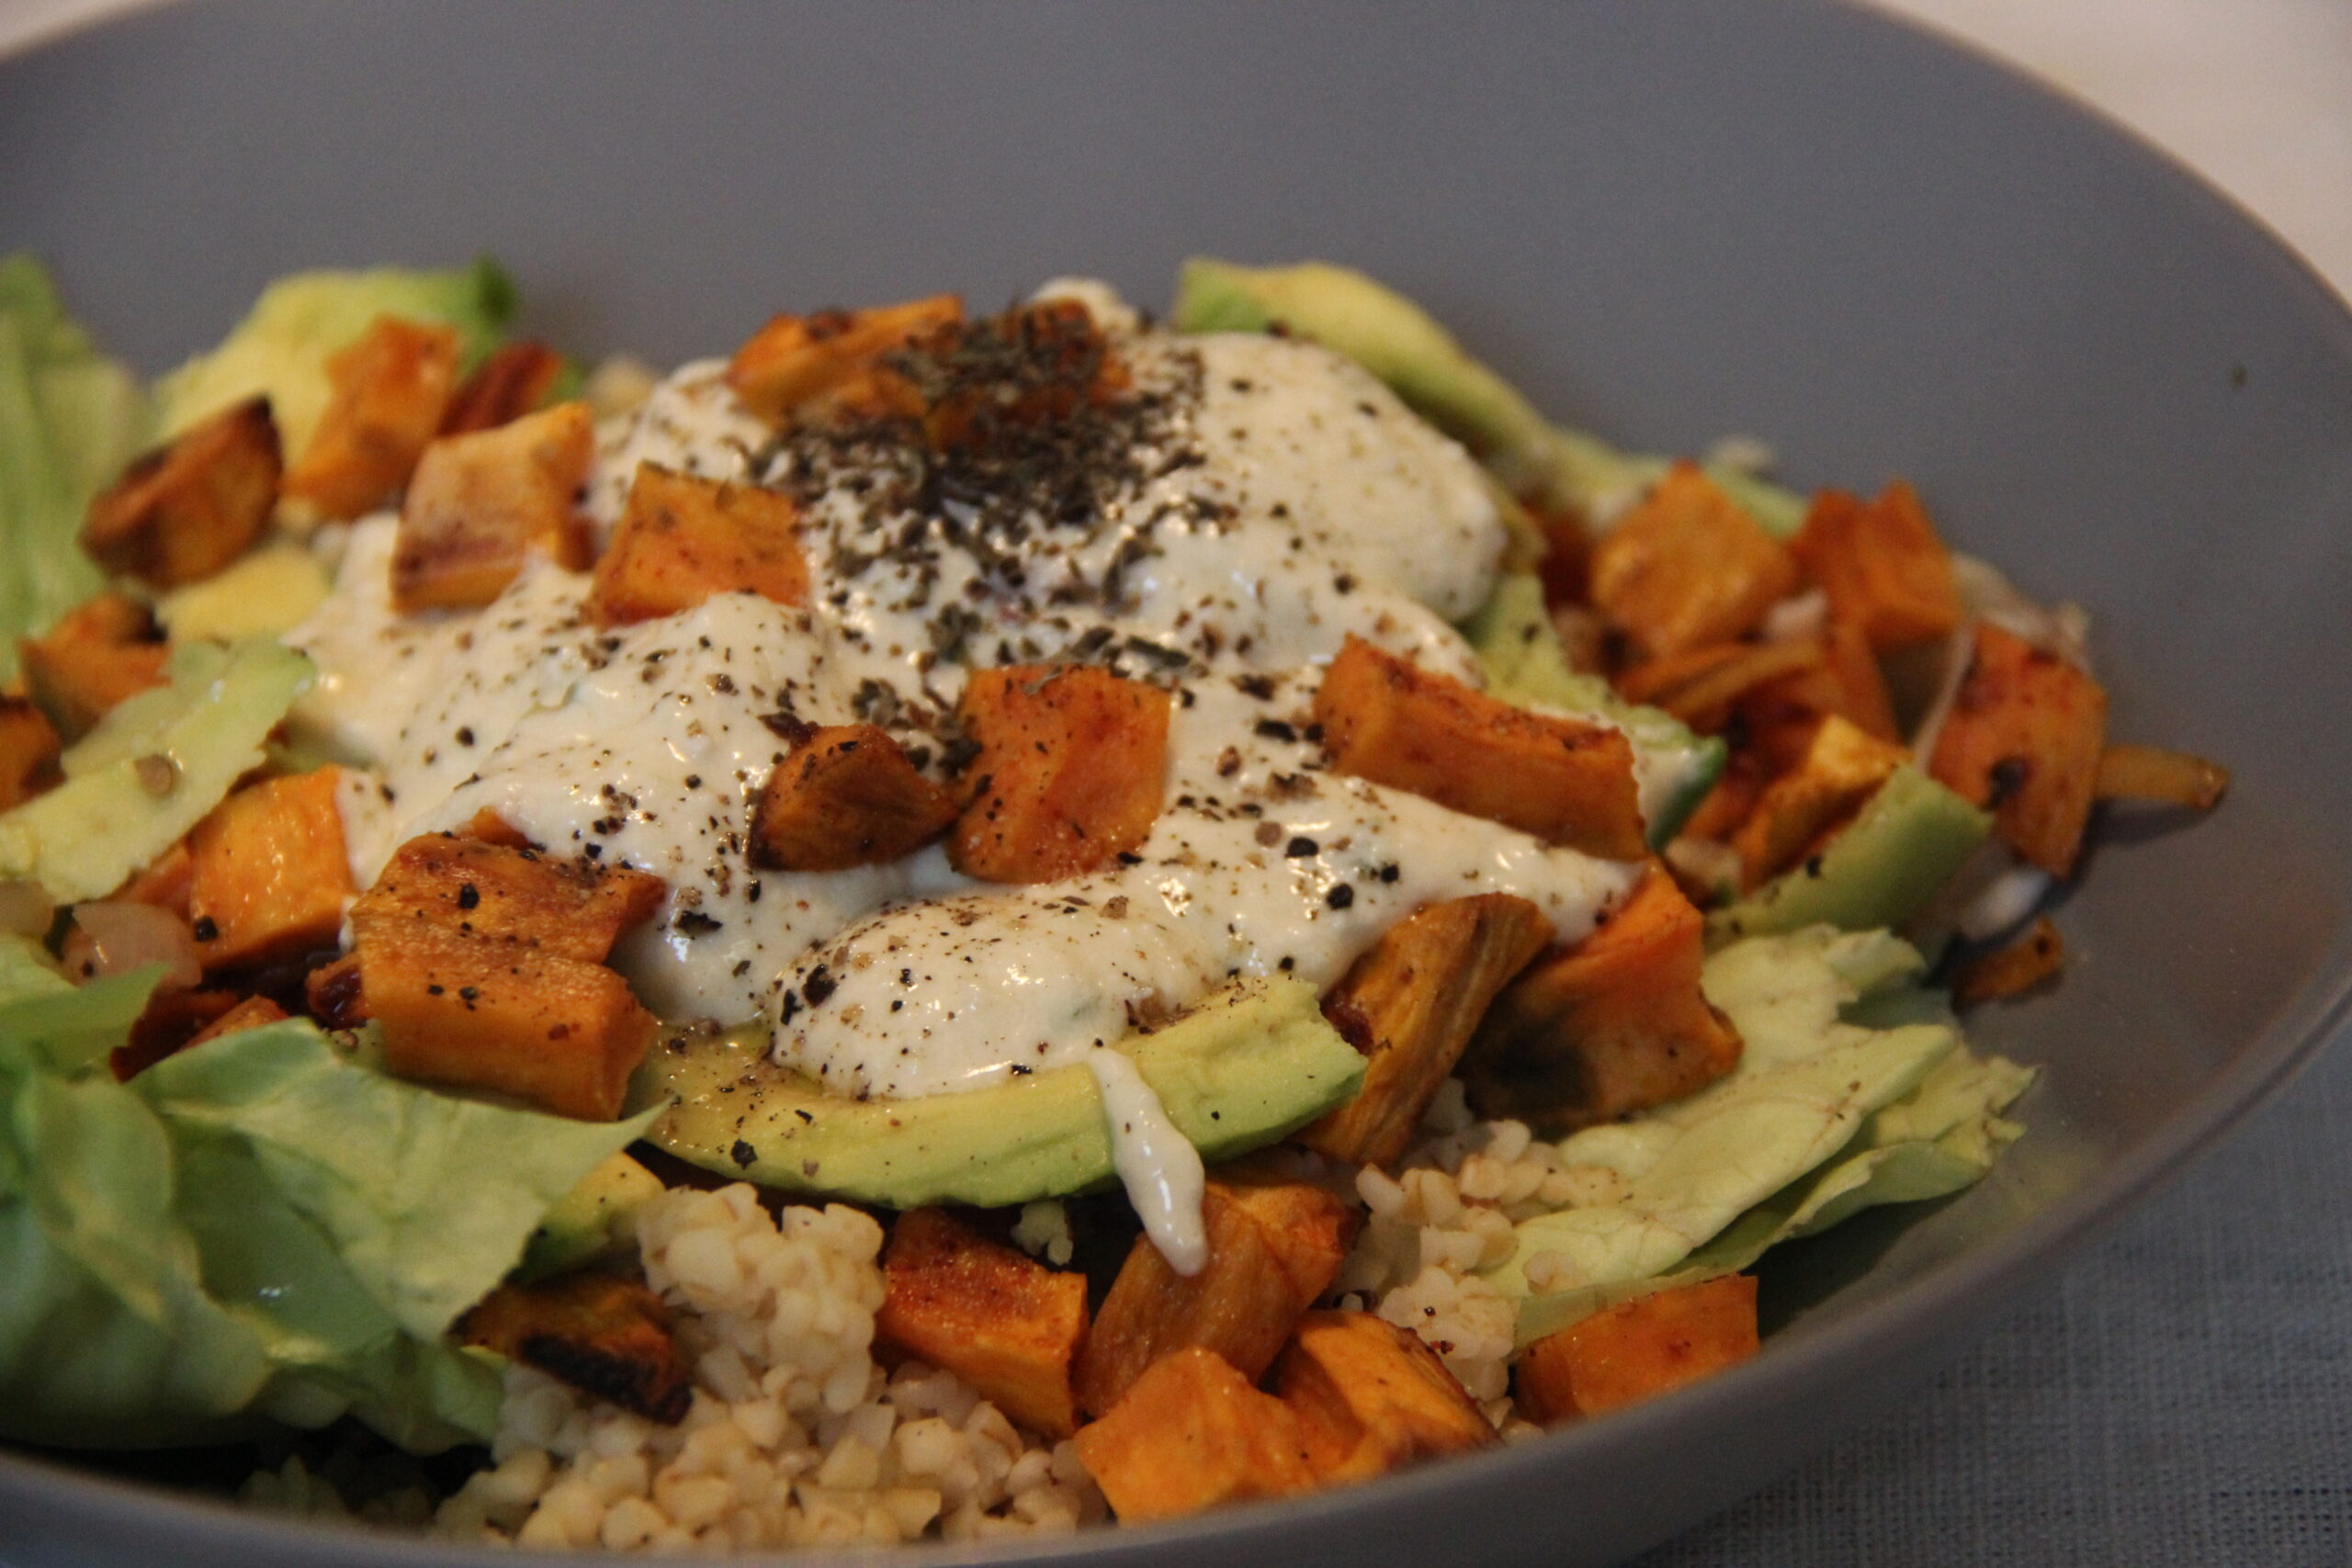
(165, 882)
(2024, 738)
(684, 538)
(1687, 567)
(386, 391)
(1370, 1396)
(603, 1334)
(1564, 781)
(1273, 1248)
(1701, 686)
(514, 380)
(333, 995)
(1614, 1024)
(169, 1023)
(30, 747)
(1841, 770)
(486, 1012)
(1635, 1350)
(797, 360)
(847, 796)
(251, 1013)
(1002, 1322)
(268, 872)
(1882, 565)
(187, 509)
(1410, 1004)
(1192, 1434)
(480, 503)
(491, 829)
(1065, 363)
(493, 890)
(1070, 772)
(101, 651)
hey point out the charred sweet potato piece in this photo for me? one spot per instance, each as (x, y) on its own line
(2024, 738)
(332, 994)
(1370, 1396)
(513, 381)
(797, 360)
(1002, 1322)
(847, 796)
(1616, 1023)
(2151, 772)
(165, 882)
(1881, 563)
(1635, 1350)
(1069, 773)
(1567, 782)
(1410, 1005)
(493, 890)
(603, 1334)
(480, 504)
(1051, 360)
(187, 509)
(1273, 1248)
(30, 747)
(1192, 1434)
(1687, 567)
(491, 829)
(171, 1021)
(1701, 686)
(388, 390)
(251, 1013)
(2010, 971)
(98, 653)
(1842, 769)
(684, 538)
(268, 872)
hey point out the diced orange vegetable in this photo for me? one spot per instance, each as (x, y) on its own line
(1370, 1396)
(268, 872)
(684, 538)
(513, 381)
(30, 747)
(1060, 362)
(187, 509)
(1409, 1005)
(388, 390)
(1069, 770)
(1687, 567)
(1882, 566)
(847, 796)
(480, 504)
(1003, 1323)
(251, 1013)
(165, 882)
(1192, 1434)
(1841, 770)
(98, 653)
(491, 829)
(332, 994)
(1733, 797)
(169, 1023)
(2151, 772)
(797, 360)
(1564, 781)
(2010, 971)
(1701, 686)
(1615, 1024)
(1640, 1348)
(1862, 698)
(491, 890)
(603, 1334)
(2024, 737)
(1273, 1248)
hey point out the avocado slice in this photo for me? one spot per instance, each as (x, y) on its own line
(591, 1221)
(1253, 1062)
(1906, 843)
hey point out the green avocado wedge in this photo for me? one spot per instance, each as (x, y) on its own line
(1253, 1062)
(1908, 841)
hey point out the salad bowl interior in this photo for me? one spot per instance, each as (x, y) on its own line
(1799, 223)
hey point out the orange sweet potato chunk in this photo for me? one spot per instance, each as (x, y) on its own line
(1069, 773)
(1273, 1248)
(251, 1013)
(165, 882)
(847, 796)
(1192, 1434)
(1842, 769)
(603, 1334)
(387, 393)
(493, 890)
(513, 381)
(1702, 685)
(101, 651)
(1002, 1322)
(480, 504)
(1410, 1004)
(268, 872)
(187, 509)
(2024, 738)
(30, 747)
(1567, 782)
(1687, 567)
(797, 360)
(684, 538)
(1882, 566)
(1616, 1023)
(1370, 1396)
(1636, 1349)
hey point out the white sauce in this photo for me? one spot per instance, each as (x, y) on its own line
(1307, 504)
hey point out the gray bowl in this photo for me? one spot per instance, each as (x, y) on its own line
(1668, 221)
